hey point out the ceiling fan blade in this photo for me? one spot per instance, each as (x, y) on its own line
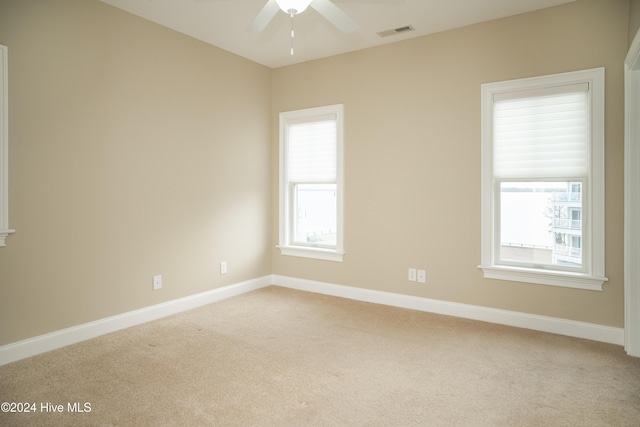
(265, 16)
(335, 15)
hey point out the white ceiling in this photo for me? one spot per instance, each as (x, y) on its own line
(224, 23)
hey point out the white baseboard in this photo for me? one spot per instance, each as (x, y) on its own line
(554, 325)
(40, 344)
(43, 343)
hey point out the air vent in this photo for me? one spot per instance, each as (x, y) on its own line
(395, 31)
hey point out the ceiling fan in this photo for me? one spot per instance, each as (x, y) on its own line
(326, 8)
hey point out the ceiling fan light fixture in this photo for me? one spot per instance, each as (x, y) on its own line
(293, 6)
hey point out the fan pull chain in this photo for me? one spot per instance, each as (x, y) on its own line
(292, 13)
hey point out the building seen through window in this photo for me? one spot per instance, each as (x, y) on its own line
(541, 223)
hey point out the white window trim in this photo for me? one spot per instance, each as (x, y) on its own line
(284, 221)
(4, 147)
(593, 278)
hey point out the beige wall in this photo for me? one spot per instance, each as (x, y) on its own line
(134, 151)
(412, 154)
(137, 151)
(634, 19)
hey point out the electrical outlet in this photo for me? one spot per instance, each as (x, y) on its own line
(422, 276)
(157, 282)
(223, 267)
(412, 275)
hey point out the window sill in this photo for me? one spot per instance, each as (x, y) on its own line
(544, 277)
(3, 236)
(316, 253)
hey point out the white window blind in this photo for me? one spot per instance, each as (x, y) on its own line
(542, 134)
(312, 151)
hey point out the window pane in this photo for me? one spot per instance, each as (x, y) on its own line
(315, 221)
(541, 223)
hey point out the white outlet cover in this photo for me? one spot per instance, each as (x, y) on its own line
(412, 275)
(157, 282)
(422, 276)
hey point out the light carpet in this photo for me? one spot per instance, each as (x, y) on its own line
(281, 357)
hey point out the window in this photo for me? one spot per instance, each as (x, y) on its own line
(543, 180)
(4, 148)
(311, 219)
